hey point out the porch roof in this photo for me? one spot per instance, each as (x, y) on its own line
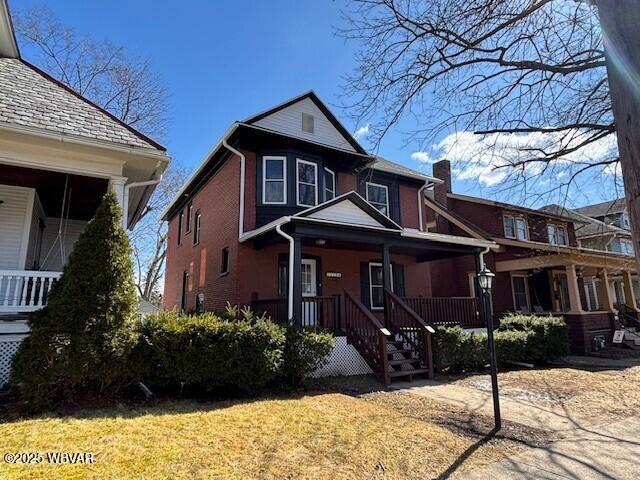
(352, 230)
(572, 256)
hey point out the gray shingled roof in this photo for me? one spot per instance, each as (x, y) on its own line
(590, 226)
(602, 209)
(383, 164)
(29, 99)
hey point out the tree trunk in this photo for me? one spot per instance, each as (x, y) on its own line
(620, 21)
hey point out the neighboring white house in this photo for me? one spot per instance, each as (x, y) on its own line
(59, 153)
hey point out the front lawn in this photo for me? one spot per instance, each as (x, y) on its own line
(312, 436)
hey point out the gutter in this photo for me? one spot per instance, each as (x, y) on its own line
(125, 198)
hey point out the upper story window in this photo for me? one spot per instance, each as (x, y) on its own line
(197, 223)
(329, 184)
(378, 196)
(626, 247)
(624, 220)
(515, 226)
(189, 216)
(306, 183)
(557, 234)
(307, 123)
(274, 180)
(180, 222)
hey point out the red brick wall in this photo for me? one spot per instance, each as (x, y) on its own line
(218, 203)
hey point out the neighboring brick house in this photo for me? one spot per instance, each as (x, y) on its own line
(289, 214)
(539, 266)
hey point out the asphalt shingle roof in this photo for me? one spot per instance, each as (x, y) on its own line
(605, 208)
(388, 166)
(590, 226)
(29, 99)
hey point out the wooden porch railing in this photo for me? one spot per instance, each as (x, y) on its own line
(412, 329)
(317, 312)
(447, 311)
(367, 335)
(25, 290)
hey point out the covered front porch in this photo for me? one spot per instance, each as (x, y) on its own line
(367, 280)
(594, 291)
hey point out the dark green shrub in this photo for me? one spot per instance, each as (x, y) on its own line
(305, 351)
(204, 352)
(511, 346)
(456, 350)
(80, 342)
(549, 337)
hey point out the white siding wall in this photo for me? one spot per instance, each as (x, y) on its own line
(15, 218)
(51, 257)
(346, 212)
(289, 121)
(34, 234)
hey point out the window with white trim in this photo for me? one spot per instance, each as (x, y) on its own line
(515, 226)
(329, 184)
(626, 247)
(274, 180)
(306, 183)
(376, 286)
(557, 234)
(378, 196)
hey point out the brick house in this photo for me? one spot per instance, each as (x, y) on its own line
(539, 264)
(289, 214)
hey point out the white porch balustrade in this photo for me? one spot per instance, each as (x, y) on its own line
(25, 290)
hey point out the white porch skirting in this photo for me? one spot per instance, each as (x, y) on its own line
(344, 360)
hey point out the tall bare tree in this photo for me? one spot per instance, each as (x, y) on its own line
(498, 68)
(129, 89)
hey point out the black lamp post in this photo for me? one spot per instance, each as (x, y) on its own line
(485, 281)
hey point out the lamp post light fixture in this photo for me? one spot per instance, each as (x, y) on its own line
(485, 281)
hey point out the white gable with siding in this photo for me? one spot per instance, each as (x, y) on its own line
(346, 212)
(288, 120)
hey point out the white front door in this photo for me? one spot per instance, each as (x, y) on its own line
(309, 280)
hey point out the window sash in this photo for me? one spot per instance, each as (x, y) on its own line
(180, 222)
(275, 180)
(521, 228)
(300, 183)
(520, 293)
(376, 302)
(509, 226)
(557, 234)
(382, 207)
(224, 263)
(196, 227)
(329, 189)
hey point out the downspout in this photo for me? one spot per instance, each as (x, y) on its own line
(421, 203)
(125, 196)
(289, 238)
(242, 175)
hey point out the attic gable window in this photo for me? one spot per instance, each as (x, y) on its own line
(307, 123)
(515, 226)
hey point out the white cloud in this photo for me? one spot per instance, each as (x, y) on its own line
(479, 157)
(423, 157)
(362, 132)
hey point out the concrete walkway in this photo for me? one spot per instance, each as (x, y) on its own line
(587, 448)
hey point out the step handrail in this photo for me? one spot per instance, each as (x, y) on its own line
(401, 303)
(367, 335)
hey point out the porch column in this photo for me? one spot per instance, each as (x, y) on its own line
(574, 290)
(386, 274)
(296, 273)
(607, 299)
(629, 294)
(117, 185)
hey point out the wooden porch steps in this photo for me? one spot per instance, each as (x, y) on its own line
(404, 361)
(409, 373)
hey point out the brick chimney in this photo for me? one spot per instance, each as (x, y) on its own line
(442, 171)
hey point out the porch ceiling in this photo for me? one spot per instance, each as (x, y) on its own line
(84, 193)
(606, 261)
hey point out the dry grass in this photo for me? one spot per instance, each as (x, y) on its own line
(580, 392)
(296, 438)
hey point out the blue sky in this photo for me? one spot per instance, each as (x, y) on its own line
(223, 61)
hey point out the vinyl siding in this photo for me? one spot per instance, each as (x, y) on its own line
(346, 212)
(14, 211)
(289, 121)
